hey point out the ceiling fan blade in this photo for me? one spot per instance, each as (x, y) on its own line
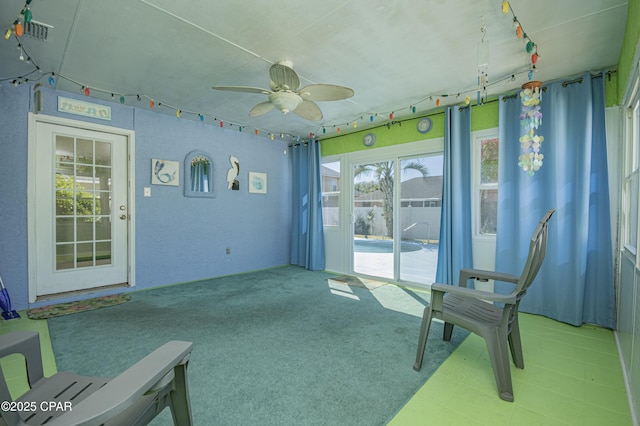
(283, 78)
(245, 89)
(261, 109)
(325, 92)
(309, 111)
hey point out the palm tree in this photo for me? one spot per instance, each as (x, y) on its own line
(383, 173)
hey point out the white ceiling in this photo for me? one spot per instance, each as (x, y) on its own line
(393, 54)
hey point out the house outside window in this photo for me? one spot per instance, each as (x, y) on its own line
(485, 154)
(330, 177)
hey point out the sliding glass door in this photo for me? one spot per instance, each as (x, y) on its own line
(373, 219)
(396, 217)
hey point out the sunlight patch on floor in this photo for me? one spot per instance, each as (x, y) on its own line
(341, 289)
(399, 299)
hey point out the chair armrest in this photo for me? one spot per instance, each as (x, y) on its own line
(473, 293)
(127, 388)
(26, 343)
(482, 275)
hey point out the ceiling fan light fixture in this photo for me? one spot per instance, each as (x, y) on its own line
(285, 101)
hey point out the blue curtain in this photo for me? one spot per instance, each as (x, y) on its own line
(454, 251)
(307, 238)
(575, 283)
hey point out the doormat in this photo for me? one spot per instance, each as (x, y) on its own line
(79, 306)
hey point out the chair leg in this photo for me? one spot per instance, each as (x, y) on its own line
(424, 333)
(448, 330)
(499, 355)
(515, 345)
(180, 405)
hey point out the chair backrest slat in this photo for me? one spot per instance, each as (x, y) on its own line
(537, 252)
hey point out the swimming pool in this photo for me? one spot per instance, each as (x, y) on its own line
(383, 246)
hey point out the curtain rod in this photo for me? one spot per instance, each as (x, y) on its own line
(568, 83)
(504, 99)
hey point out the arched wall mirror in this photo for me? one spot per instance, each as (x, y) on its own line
(198, 175)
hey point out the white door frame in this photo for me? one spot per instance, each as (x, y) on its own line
(31, 189)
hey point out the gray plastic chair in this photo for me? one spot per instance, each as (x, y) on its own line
(496, 323)
(134, 397)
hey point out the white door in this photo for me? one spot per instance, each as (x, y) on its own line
(81, 211)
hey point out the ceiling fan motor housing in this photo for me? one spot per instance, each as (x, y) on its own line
(285, 101)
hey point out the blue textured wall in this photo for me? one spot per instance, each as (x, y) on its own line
(178, 239)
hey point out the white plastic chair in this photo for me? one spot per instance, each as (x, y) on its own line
(478, 312)
(135, 397)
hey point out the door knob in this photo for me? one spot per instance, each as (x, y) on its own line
(123, 216)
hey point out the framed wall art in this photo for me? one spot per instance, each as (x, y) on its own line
(257, 183)
(165, 172)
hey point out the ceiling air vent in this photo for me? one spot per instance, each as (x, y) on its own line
(37, 30)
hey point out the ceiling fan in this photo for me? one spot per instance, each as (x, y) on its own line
(287, 96)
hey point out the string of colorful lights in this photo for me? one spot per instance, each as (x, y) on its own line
(25, 16)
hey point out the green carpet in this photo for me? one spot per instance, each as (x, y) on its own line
(274, 347)
(79, 306)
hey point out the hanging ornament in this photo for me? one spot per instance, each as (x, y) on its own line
(7, 34)
(310, 135)
(338, 130)
(519, 31)
(505, 7)
(534, 58)
(413, 109)
(201, 117)
(438, 102)
(530, 119)
(18, 28)
(355, 124)
(52, 81)
(152, 104)
(467, 100)
(87, 91)
(221, 123)
(371, 118)
(256, 132)
(122, 99)
(391, 116)
(178, 113)
(27, 15)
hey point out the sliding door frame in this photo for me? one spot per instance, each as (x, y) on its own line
(347, 163)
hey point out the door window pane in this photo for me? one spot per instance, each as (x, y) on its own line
(64, 256)
(420, 208)
(373, 219)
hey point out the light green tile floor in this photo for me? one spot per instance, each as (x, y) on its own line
(13, 365)
(572, 376)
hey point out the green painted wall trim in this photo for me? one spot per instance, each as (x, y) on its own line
(630, 48)
(611, 89)
(482, 117)
(394, 134)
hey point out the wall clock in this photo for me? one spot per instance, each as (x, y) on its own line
(369, 139)
(424, 125)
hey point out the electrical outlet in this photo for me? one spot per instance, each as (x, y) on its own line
(228, 250)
